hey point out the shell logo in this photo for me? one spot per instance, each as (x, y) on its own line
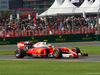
(39, 51)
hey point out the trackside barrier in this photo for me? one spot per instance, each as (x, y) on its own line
(97, 37)
(43, 32)
(49, 38)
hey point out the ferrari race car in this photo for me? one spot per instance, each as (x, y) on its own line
(42, 49)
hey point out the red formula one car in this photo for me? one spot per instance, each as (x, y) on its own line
(42, 49)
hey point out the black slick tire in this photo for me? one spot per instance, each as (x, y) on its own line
(19, 53)
(76, 50)
(57, 53)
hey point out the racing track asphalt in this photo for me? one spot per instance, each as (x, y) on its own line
(85, 58)
(89, 58)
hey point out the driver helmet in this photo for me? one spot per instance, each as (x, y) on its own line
(44, 43)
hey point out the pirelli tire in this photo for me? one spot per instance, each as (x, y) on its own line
(76, 49)
(19, 53)
(57, 53)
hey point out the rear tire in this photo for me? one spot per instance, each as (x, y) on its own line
(19, 53)
(57, 53)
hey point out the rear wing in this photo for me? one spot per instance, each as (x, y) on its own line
(23, 43)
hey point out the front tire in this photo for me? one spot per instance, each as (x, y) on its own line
(19, 53)
(76, 49)
(57, 53)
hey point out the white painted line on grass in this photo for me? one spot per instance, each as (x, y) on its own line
(93, 73)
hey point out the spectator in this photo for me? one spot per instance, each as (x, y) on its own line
(54, 23)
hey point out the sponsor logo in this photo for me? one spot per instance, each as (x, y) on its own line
(4, 39)
(60, 38)
(87, 37)
(20, 44)
(39, 51)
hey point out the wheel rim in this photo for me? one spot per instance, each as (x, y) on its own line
(17, 53)
(56, 53)
(74, 50)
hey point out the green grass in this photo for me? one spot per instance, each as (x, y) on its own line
(46, 67)
(7, 52)
(94, 49)
(77, 42)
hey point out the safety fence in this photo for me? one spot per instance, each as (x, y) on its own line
(49, 38)
(16, 33)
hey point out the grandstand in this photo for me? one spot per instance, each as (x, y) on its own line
(64, 22)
